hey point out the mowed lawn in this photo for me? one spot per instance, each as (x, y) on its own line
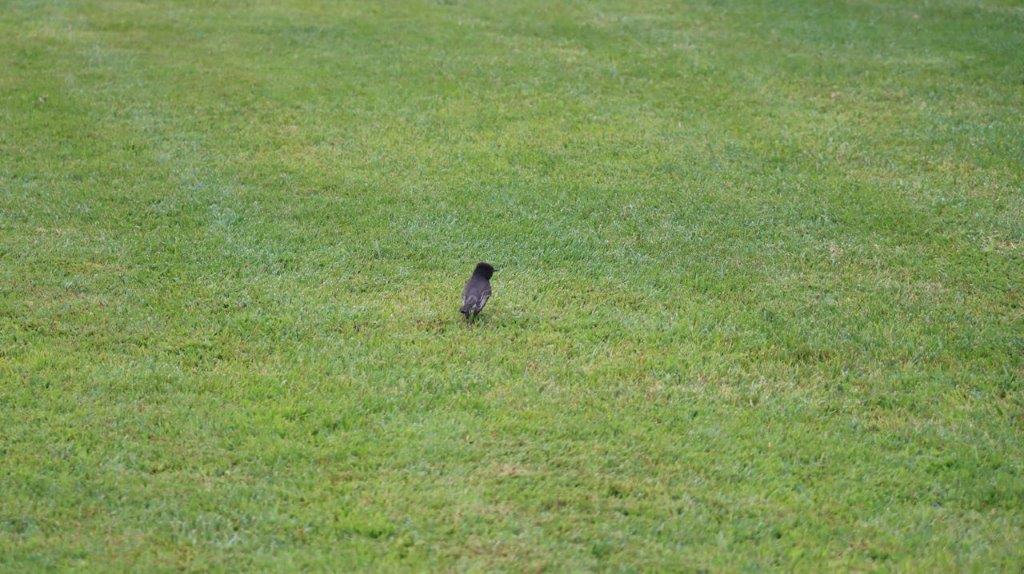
(758, 302)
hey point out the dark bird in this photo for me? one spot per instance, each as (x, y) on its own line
(477, 290)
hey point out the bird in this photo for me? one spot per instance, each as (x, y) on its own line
(477, 290)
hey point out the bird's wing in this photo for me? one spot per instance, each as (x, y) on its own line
(469, 300)
(474, 301)
(484, 296)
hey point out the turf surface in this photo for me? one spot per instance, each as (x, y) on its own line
(759, 299)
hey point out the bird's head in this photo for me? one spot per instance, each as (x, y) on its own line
(484, 270)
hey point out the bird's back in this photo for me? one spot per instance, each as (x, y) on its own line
(475, 295)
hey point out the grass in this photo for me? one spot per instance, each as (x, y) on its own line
(759, 300)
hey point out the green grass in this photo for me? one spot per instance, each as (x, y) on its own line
(759, 300)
